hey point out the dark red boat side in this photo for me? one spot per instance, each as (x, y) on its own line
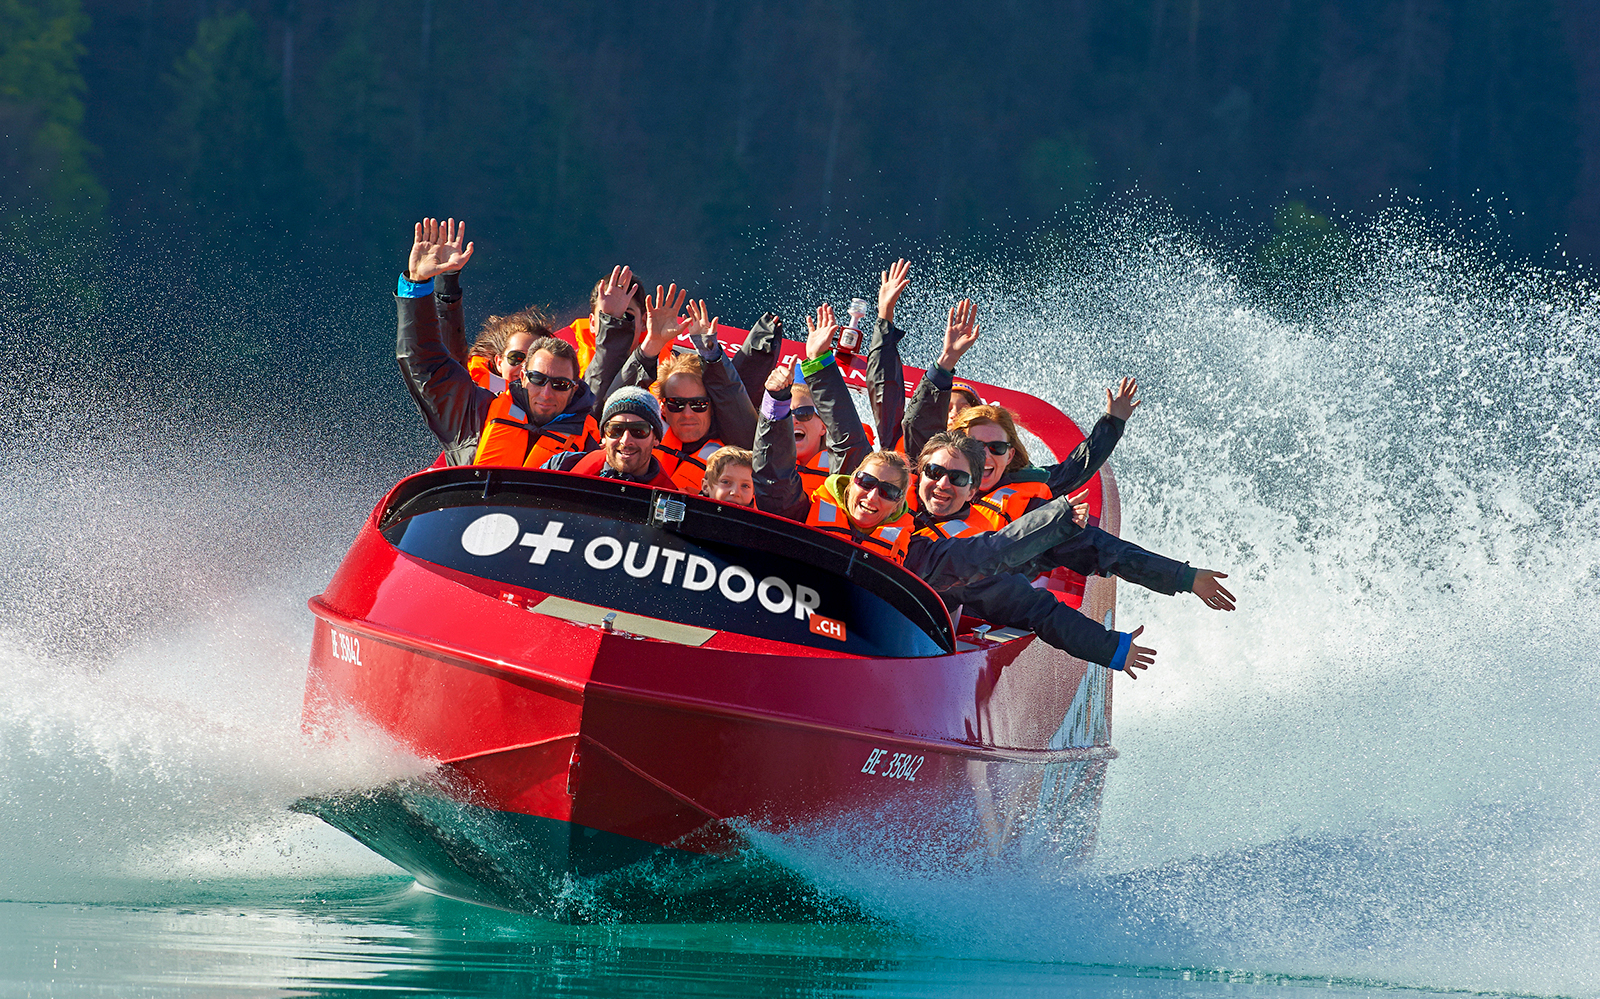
(616, 679)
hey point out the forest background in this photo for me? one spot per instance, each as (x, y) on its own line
(714, 142)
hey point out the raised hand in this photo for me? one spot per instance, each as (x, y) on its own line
(436, 248)
(781, 379)
(819, 334)
(1139, 656)
(1211, 592)
(893, 282)
(960, 333)
(702, 331)
(616, 292)
(663, 318)
(1080, 514)
(1123, 403)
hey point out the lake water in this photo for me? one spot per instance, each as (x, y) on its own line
(1379, 774)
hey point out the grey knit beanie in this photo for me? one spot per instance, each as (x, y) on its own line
(636, 402)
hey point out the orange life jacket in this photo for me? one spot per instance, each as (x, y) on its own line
(594, 461)
(583, 337)
(484, 375)
(890, 540)
(508, 438)
(975, 522)
(1006, 503)
(687, 468)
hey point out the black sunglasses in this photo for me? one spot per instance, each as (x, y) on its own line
(934, 473)
(515, 357)
(888, 490)
(538, 378)
(997, 447)
(676, 405)
(638, 431)
(804, 412)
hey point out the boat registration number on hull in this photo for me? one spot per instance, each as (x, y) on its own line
(901, 766)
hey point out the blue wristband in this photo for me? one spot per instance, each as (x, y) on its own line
(411, 289)
(1120, 660)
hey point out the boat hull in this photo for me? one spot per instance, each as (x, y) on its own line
(665, 774)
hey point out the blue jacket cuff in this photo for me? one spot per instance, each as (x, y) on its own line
(411, 289)
(1124, 643)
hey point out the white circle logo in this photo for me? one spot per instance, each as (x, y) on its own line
(490, 534)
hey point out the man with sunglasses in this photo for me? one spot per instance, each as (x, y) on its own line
(630, 427)
(946, 484)
(704, 402)
(545, 411)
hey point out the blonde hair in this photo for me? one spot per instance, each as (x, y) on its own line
(684, 363)
(994, 416)
(719, 461)
(894, 459)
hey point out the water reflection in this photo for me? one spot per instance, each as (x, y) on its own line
(369, 936)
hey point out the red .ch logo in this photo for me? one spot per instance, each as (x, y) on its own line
(827, 627)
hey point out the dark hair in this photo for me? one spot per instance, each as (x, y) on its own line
(558, 347)
(498, 331)
(968, 447)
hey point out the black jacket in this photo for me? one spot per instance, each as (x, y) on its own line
(454, 406)
(777, 481)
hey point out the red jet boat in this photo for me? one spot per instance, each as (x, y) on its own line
(629, 691)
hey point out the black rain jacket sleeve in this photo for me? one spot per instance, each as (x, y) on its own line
(758, 355)
(454, 406)
(928, 412)
(954, 561)
(452, 323)
(779, 489)
(1069, 476)
(1094, 552)
(886, 384)
(847, 438)
(613, 342)
(1010, 601)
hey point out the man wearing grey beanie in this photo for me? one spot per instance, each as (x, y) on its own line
(630, 428)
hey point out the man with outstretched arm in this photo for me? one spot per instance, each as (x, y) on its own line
(544, 411)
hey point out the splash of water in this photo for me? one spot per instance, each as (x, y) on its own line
(1379, 768)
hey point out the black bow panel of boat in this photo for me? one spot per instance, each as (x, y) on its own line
(666, 555)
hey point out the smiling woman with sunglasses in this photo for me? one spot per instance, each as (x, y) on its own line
(868, 507)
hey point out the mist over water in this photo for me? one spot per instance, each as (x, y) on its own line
(1380, 768)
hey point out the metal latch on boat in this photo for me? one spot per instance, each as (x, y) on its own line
(666, 509)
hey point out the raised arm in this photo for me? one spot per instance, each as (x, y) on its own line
(663, 322)
(1079, 467)
(613, 341)
(847, 438)
(453, 405)
(447, 292)
(929, 409)
(735, 416)
(885, 372)
(779, 489)
(758, 354)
